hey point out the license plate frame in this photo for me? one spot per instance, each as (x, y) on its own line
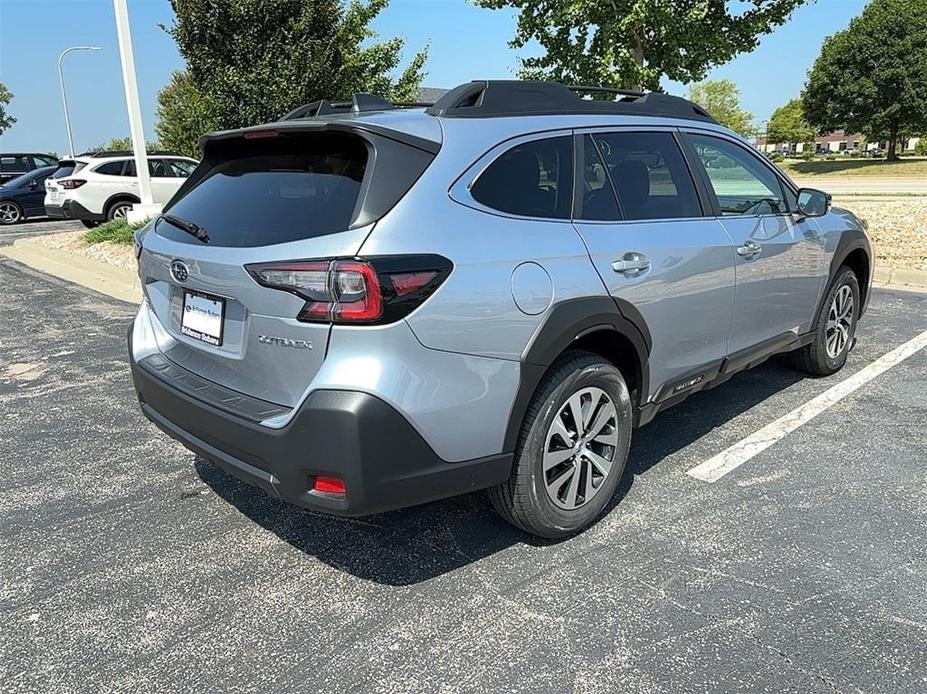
(202, 327)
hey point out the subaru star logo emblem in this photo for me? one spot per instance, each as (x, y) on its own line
(179, 271)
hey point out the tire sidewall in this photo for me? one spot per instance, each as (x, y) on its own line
(846, 277)
(608, 378)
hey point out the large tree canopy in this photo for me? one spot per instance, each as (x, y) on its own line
(788, 124)
(872, 76)
(721, 99)
(251, 61)
(635, 43)
(6, 120)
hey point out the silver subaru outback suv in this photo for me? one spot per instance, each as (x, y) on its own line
(366, 306)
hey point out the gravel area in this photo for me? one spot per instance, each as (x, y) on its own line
(120, 255)
(898, 228)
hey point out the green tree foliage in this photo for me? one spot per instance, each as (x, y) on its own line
(183, 115)
(119, 144)
(635, 43)
(870, 77)
(251, 61)
(788, 124)
(6, 120)
(721, 99)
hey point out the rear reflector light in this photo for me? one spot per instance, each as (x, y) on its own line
(72, 183)
(328, 485)
(379, 290)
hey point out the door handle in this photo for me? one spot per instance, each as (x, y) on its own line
(632, 264)
(750, 249)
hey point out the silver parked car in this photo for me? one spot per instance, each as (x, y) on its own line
(362, 307)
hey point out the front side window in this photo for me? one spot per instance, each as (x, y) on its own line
(742, 184)
(41, 161)
(649, 175)
(533, 179)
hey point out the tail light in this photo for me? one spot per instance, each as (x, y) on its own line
(71, 183)
(376, 290)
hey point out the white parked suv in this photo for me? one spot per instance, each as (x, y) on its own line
(100, 186)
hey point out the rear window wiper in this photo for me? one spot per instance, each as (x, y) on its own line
(186, 225)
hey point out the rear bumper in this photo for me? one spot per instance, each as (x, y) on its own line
(384, 461)
(71, 209)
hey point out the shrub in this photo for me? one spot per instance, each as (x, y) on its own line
(920, 149)
(116, 231)
(776, 157)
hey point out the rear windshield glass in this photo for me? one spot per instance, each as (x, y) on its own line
(66, 168)
(275, 190)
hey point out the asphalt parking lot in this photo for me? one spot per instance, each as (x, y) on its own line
(125, 564)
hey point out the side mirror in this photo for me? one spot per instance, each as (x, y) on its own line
(812, 202)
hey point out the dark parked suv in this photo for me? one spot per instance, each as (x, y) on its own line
(362, 307)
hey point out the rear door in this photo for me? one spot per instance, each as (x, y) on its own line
(780, 257)
(655, 249)
(259, 201)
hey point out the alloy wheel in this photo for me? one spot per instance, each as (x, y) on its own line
(839, 322)
(120, 211)
(9, 213)
(580, 448)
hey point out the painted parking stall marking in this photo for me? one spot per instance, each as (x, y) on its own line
(728, 460)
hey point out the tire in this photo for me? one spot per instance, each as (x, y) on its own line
(118, 209)
(10, 213)
(548, 433)
(90, 223)
(828, 352)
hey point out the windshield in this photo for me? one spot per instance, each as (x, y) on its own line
(287, 190)
(21, 180)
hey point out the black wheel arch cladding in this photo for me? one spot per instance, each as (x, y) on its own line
(565, 324)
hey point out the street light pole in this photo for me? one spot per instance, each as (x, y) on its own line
(64, 94)
(147, 208)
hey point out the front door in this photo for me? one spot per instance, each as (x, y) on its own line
(780, 256)
(654, 249)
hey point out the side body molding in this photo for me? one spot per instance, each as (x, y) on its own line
(567, 322)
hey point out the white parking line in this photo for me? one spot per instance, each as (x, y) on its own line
(717, 467)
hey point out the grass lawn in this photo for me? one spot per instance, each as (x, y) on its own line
(905, 168)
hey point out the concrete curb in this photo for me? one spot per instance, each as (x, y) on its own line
(124, 285)
(88, 272)
(899, 277)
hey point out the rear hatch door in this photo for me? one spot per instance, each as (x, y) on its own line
(275, 197)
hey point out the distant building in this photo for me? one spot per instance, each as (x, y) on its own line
(837, 142)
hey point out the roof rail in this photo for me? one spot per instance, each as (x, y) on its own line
(493, 98)
(95, 154)
(359, 103)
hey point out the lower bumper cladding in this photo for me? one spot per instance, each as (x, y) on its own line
(381, 460)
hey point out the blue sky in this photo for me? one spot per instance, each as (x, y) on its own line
(467, 43)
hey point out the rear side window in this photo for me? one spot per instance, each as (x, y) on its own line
(649, 175)
(111, 168)
(742, 184)
(533, 179)
(286, 190)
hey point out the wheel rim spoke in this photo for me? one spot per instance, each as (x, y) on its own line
(600, 462)
(553, 458)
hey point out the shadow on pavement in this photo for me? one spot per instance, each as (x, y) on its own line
(416, 544)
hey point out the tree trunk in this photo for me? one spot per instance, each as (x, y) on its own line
(891, 155)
